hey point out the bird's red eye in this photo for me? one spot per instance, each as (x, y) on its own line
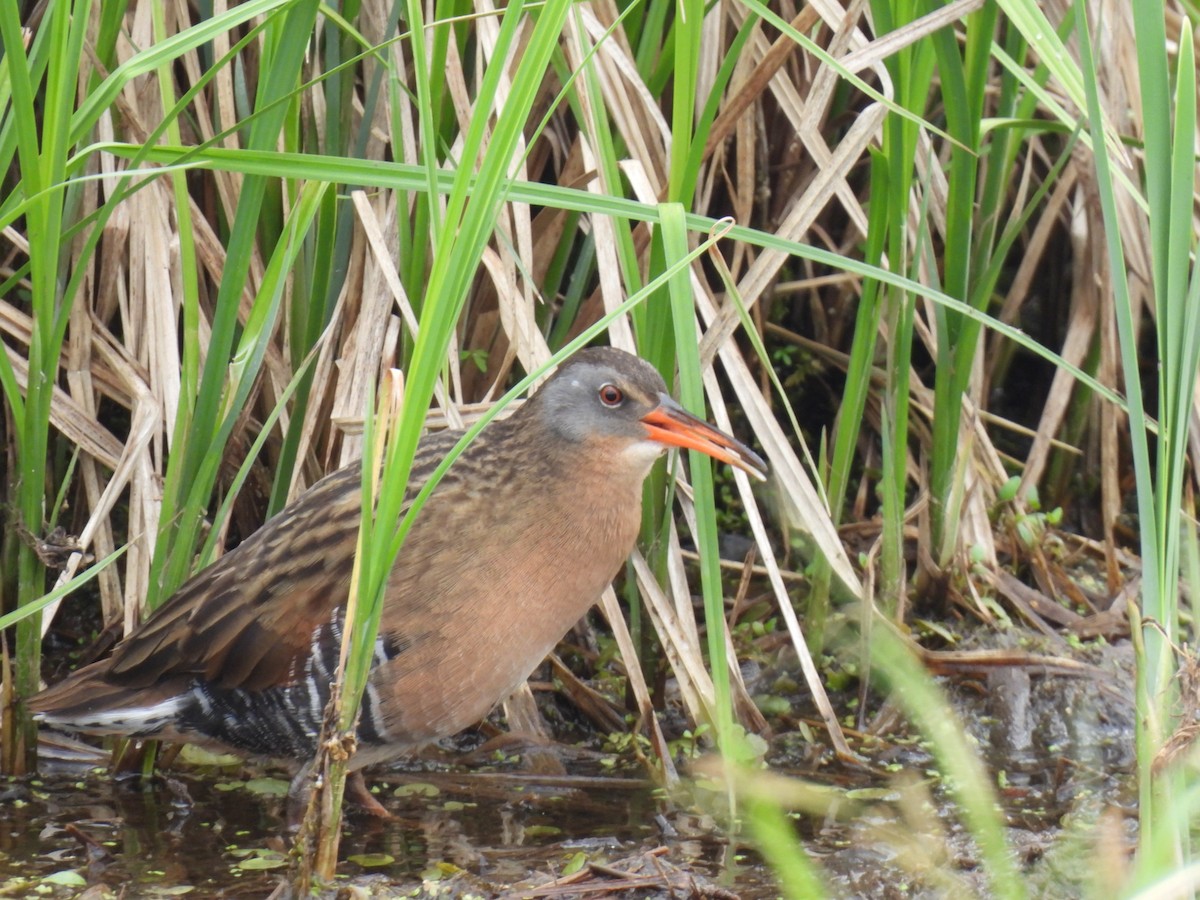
(611, 395)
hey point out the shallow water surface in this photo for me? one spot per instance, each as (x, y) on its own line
(221, 835)
(1059, 746)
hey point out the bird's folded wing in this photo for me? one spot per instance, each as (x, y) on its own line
(250, 619)
(246, 620)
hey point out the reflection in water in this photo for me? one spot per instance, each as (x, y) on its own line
(218, 833)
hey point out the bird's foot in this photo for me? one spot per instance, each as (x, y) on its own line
(357, 791)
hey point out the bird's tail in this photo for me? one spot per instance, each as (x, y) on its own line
(86, 701)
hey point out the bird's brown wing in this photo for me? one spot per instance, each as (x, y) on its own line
(245, 620)
(249, 620)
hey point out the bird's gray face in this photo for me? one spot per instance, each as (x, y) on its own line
(619, 403)
(589, 401)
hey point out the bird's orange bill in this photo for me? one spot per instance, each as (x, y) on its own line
(670, 424)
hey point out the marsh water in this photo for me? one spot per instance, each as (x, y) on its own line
(219, 834)
(1059, 746)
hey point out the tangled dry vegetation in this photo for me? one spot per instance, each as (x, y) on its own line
(785, 154)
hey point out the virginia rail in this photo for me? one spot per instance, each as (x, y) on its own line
(518, 540)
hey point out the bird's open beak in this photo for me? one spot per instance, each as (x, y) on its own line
(670, 424)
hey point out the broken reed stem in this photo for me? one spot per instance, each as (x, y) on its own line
(316, 846)
(315, 851)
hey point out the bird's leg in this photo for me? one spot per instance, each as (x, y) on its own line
(298, 795)
(357, 790)
(300, 791)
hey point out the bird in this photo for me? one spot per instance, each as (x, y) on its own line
(513, 546)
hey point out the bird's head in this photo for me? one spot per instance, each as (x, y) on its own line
(608, 398)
